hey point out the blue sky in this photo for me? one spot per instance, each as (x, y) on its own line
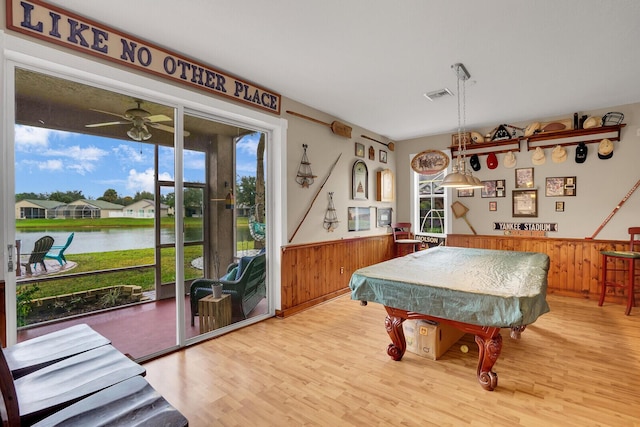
(47, 161)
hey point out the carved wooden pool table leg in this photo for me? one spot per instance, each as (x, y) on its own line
(398, 344)
(489, 348)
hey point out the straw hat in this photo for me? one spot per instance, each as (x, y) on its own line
(509, 160)
(559, 154)
(476, 138)
(605, 149)
(538, 157)
(592, 122)
(532, 128)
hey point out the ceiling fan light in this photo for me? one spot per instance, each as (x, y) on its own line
(135, 134)
(144, 133)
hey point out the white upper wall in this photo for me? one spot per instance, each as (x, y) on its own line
(601, 184)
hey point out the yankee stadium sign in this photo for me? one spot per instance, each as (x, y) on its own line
(46, 22)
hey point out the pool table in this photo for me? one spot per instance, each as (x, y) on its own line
(478, 291)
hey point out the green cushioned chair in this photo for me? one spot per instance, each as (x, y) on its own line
(245, 282)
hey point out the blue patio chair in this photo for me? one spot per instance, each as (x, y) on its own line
(59, 255)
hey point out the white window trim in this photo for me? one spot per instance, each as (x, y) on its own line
(19, 52)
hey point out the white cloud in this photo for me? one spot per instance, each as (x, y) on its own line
(77, 153)
(194, 160)
(144, 181)
(51, 165)
(249, 144)
(27, 137)
(128, 153)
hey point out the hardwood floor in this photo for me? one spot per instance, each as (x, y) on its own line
(578, 365)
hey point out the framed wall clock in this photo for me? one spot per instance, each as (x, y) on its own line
(360, 181)
(429, 162)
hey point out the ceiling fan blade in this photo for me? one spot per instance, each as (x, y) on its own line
(166, 128)
(96, 125)
(157, 118)
(109, 112)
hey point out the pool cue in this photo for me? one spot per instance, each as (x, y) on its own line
(314, 198)
(607, 219)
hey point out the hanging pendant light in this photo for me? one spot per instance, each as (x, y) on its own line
(460, 176)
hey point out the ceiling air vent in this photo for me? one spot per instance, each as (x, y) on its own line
(436, 94)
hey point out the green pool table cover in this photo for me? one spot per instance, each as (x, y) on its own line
(477, 286)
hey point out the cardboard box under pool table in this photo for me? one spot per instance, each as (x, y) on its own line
(429, 339)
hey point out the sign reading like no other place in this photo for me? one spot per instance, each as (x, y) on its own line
(52, 24)
(529, 229)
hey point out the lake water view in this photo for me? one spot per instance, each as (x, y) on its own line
(104, 239)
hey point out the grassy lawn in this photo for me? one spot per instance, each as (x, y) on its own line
(98, 261)
(116, 259)
(105, 222)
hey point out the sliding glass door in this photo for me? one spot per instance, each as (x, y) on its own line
(96, 170)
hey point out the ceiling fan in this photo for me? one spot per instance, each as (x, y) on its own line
(140, 119)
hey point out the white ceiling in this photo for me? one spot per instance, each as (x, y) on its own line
(368, 62)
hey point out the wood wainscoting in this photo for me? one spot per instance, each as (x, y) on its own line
(316, 272)
(575, 264)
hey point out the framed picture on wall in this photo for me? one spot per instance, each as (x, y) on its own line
(525, 203)
(489, 189)
(383, 156)
(465, 192)
(524, 178)
(359, 150)
(360, 181)
(384, 217)
(359, 219)
(560, 186)
(493, 206)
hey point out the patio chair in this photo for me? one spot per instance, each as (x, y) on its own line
(40, 249)
(36, 353)
(41, 393)
(57, 251)
(245, 282)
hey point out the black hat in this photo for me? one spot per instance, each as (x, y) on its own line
(474, 161)
(581, 152)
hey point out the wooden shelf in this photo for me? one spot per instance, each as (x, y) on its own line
(484, 148)
(573, 137)
(545, 140)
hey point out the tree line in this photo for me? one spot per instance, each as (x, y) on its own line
(245, 188)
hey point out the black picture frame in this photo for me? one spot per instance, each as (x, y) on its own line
(360, 181)
(383, 156)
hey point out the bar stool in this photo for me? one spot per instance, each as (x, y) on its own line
(404, 238)
(629, 258)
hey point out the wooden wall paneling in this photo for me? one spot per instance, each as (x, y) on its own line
(575, 264)
(314, 273)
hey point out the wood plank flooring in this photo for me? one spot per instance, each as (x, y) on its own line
(578, 365)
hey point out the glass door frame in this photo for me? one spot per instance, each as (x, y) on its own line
(19, 53)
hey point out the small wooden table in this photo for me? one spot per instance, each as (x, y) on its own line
(214, 313)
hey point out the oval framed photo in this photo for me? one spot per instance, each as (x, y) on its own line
(429, 162)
